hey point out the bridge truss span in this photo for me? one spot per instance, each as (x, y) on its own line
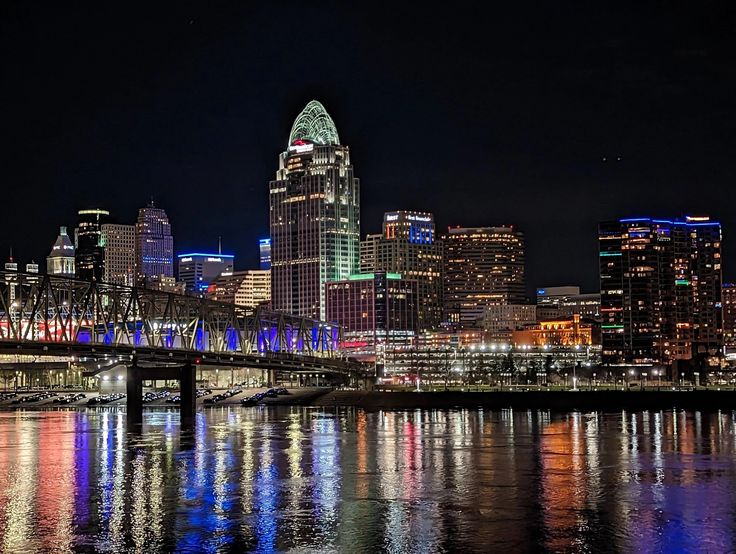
(48, 310)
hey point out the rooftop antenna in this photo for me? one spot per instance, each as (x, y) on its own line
(11, 254)
(219, 245)
(151, 204)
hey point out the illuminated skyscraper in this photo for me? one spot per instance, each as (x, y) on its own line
(154, 246)
(660, 290)
(199, 270)
(314, 215)
(408, 246)
(264, 253)
(90, 249)
(483, 265)
(119, 243)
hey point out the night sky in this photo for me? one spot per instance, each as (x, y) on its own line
(544, 116)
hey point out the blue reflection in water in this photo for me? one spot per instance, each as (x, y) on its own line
(266, 498)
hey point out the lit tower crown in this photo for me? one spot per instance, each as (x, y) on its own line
(315, 125)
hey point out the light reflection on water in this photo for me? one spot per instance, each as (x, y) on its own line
(260, 479)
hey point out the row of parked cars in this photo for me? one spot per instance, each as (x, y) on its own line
(34, 397)
(256, 398)
(222, 396)
(104, 399)
(7, 395)
(151, 396)
(69, 398)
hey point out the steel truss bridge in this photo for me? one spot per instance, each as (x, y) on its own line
(51, 315)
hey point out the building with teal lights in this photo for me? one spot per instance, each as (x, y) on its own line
(661, 293)
(314, 216)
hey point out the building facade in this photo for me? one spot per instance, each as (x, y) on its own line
(250, 288)
(198, 270)
(89, 248)
(729, 316)
(661, 290)
(408, 246)
(314, 215)
(119, 244)
(60, 260)
(482, 266)
(561, 332)
(500, 320)
(154, 246)
(375, 311)
(264, 253)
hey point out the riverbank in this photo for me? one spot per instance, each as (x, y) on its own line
(557, 401)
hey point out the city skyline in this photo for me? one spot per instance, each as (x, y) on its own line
(505, 136)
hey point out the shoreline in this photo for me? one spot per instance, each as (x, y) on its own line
(703, 400)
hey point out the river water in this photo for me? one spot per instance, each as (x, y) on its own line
(314, 480)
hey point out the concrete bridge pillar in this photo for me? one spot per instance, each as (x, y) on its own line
(134, 394)
(188, 389)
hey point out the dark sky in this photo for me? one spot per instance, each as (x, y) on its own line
(480, 115)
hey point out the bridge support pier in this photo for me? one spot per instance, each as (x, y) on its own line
(134, 394)
(185, 374)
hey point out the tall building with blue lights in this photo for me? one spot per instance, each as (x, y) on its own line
(154, 246)
(407, 246)
(314, 215)
(661, 292)
(264, 253)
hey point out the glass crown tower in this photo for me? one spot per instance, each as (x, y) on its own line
(314, 215)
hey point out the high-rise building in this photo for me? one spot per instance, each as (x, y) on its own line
(407, 246)
(729, 315)
(154, 246)
(564, 302)
(119, 244)
(375, 310)
(199, 270)
(264, 253)
(500, 320)
(60, 260)
(89, 247)
(483, 266)
(314, 215)
(660, 290)
(250, 288)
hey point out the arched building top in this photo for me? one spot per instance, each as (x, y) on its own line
(315, 125)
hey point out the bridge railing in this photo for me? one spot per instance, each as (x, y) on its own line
(47, 308)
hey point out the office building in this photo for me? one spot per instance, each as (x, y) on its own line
(250, 288)
(661, 291)
(483, 266)
(154, 246)
(314, 215)
(729, 315)
(60, 260)
(564, 302)
(500, 320)
(199, 270)
(264, 253)
(374, 310)
(118, 242)
(408, 246)
(88, 244)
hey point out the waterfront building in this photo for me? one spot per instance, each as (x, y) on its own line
(199, 270)
(483, 266)
(89, 246)
(250, 288)
(562, 332)
(118, 242)
(408, 246)
(661, 291)
(374, 310)
(314, 215)
(154, 246)
(264, 253)
(500, 320)
(60, 260)
(729, 315)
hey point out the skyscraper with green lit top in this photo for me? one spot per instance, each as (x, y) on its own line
(314, 215)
